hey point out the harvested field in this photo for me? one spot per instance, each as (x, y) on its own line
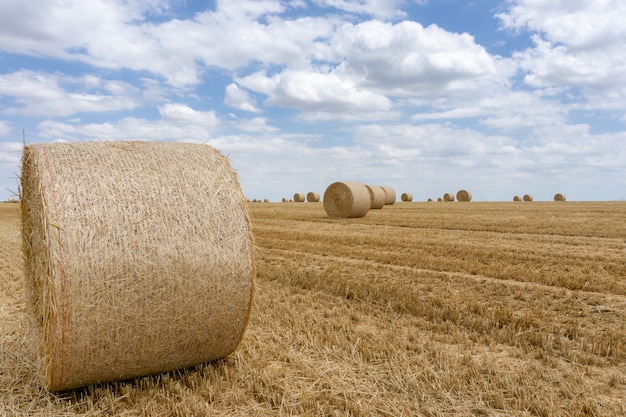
(485, 309)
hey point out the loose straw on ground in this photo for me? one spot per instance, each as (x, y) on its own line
(346, 199)
(138, 255)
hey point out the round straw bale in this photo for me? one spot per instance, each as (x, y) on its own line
(430, 200)
(285, 200)
(390, 195)
(448, 197)
(528, 197)
(464, 195)
(559, 197)
(313, 197)
(138, 255)
(439, 199)
(407, 197)
(517, 198)
(299, 197)
(377, 196)
(346, 199)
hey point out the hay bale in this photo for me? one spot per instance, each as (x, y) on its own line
(139, 258)
(390, 195)
(517, 198)
(377, 196)
(430, 200)
(439, 199)
(285, 200)
(559, 197)
(346, 199)
(528, 197)
(299, 197)
(448, 197)
(406, 197)
(464, 196)
(313, 197)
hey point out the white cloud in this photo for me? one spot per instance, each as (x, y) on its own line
(41, 94)
(239, 99)
(377, 8)
(181, 113)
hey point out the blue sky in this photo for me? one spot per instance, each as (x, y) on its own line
(501, 98)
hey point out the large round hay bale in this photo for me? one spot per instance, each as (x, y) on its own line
(464, 196)
(139, 258)
(377, 196)
(406, 197)
(313, 197)
(448, 197)
(517, 198)
(559, 197)
(390, 195)
(528, 197)
(299, 197)
(346, 199)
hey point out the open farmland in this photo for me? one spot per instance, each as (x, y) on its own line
(426, 309)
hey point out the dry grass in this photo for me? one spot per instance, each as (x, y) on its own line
(484, 309)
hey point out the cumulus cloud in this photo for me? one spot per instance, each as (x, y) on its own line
(239, 99)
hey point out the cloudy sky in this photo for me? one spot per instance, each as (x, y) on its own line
(428, 96)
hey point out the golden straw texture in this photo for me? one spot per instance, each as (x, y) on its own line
(377, 196)
(464, 195)
(390, 195)
(138, 255)
(559, 197)
(346, 199)
(406, 197)
(313, 197)
(299, 197)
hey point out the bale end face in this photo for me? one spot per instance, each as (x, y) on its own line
(406, 197)
(346, 199)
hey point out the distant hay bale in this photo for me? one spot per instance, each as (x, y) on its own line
(559, 197)
(517, 198)
(299, 197)
(267, 200)
(439, 199)
(390, 195)
(406, 197)
(377, 196)
(430, 200)
(448, 197)
(528, 197)
(464, 196)
(313, 197)
(346, 199)
(285, 200)
(14, 200)
(124, 279)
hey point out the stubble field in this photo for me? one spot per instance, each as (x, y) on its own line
(419, 309)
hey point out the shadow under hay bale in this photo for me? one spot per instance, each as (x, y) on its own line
(139, 258)
(346, 199)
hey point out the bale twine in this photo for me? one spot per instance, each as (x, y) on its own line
(406, 197)
(517, 198)
(313, 197)
(448, 197)
(299, 197)
(139, 258)
(528, 197)
(464, 196)
(390, 195)
(559, 197)
(377, 196)
(346, 199)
